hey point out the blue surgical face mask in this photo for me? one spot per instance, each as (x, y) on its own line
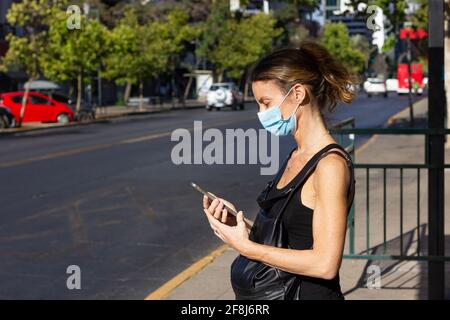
(272, 120)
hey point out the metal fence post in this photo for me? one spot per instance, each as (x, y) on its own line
(436, 283)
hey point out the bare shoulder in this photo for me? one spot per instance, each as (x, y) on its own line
(332, 170)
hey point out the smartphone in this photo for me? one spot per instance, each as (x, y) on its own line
(212, 197)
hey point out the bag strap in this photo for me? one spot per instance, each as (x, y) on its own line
(351, 189)
(307, 169)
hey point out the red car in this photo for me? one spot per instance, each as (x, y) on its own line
(39, 107)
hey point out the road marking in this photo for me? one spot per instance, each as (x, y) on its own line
(145, 138)
(163, 291)
(109, 145)
(56, 155)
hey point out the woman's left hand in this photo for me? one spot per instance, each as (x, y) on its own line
(236, 236)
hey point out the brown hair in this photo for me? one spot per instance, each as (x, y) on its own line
(309, 64)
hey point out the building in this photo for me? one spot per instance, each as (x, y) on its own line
(329, 8)
(369, 25)
(253, 6)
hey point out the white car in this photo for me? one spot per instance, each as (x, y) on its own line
(375, 86)
(392, 85)
(224, 94)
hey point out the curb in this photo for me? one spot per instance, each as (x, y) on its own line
(185, 275)
(165, 290)
(391, 120)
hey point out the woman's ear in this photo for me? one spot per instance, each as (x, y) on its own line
(300, 93)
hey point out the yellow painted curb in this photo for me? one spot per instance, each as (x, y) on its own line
(169, 286)
(366, 144)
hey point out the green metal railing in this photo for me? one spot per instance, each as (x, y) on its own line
(345, 132)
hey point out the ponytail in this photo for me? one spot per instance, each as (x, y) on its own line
(311, 64)
(335, 83)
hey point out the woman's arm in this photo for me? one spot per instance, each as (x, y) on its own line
(331, 181)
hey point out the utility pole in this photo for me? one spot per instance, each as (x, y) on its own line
(409, 58)
(435, 156)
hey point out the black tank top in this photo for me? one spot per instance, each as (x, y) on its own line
(297, 221)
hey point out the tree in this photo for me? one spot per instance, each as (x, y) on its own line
(124, 48)
(212, 29)
(139, 51)
(180, 33)
(243, 43)
(308, 4)
(420, 16)
(335, 38)
(73, 54)
(360, 43)
(25, 51)
(234, 44)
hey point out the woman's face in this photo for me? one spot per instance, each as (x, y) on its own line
(268, 94)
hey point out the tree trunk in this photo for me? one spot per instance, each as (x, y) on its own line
(71, 89)
(172, 80)
(187, 89)
(189, 84)
(141, 94)
(246, 90)
(79, 85)
(127, 93)
(24, 101)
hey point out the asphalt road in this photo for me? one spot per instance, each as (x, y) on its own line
(108, 198)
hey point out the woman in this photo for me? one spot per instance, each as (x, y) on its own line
(293, 87)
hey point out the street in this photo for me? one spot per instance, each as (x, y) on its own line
(108, 198)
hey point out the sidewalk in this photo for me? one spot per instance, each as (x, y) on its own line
(399, 280)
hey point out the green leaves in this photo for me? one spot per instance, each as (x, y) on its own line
(70, 53)
(336, 39)
(232, 44)
(33, 14)
(137, 51)
(243, 43)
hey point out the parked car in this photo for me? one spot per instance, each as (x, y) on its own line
(374, 86)
(39, 108)
(7, 119)
(355, 88)
(86, 113)
(392, 85)
(225, 94)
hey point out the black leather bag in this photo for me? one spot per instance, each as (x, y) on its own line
(254, 280)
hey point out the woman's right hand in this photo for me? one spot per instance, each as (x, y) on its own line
(220, 212)
(217, 209)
